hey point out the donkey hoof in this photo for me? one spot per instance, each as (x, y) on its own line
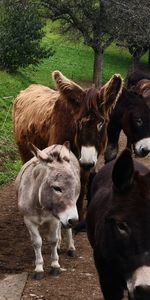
(71, 253)
(55, 271)
(38, 275)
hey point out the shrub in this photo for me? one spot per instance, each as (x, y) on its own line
(20, 35)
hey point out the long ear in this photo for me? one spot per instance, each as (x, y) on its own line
(67, 145)
(123, 171)
(38, 153)
(65, 151)
(111, 91)
(68, 88)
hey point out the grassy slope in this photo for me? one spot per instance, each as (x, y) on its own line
(74, 60)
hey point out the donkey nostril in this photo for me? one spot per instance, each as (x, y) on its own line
(88, 166)
(138, 292)
(144, 151)
(72, 222)
(92, 164)
(142, 292)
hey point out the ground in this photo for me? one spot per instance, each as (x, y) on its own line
(79, 281)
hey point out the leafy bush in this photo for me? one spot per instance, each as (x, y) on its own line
(20, 35)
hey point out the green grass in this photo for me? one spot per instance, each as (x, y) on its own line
(75, 60)
(10, 169)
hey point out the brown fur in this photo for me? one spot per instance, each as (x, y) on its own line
(45, 117)
(139, 82)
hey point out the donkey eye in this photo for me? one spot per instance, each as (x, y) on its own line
(57, 189)
(99, 126)
(123, 228)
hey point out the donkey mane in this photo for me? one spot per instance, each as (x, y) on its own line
(91, 99)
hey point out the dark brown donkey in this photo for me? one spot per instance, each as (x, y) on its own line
(45, 117)
(118, 227)
(132, 115)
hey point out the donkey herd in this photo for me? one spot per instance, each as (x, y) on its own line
(66, 130)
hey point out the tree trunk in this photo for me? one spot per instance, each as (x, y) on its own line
(135, 62)
(97, 68)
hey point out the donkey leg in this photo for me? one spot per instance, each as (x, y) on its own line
(80, 201)
(37, 245)
(71, 247)
(54, 237)
(59, 238)
(80, 204)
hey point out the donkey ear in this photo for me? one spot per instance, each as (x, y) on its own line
(68, 88)
(111, 91)
(38, 153)
(123, 171)
(65, 152)
(67, 145)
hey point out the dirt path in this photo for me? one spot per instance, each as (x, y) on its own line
(78, 282)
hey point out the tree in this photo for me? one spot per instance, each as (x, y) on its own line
(20, 35)
(130, 25)
(89, 19)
